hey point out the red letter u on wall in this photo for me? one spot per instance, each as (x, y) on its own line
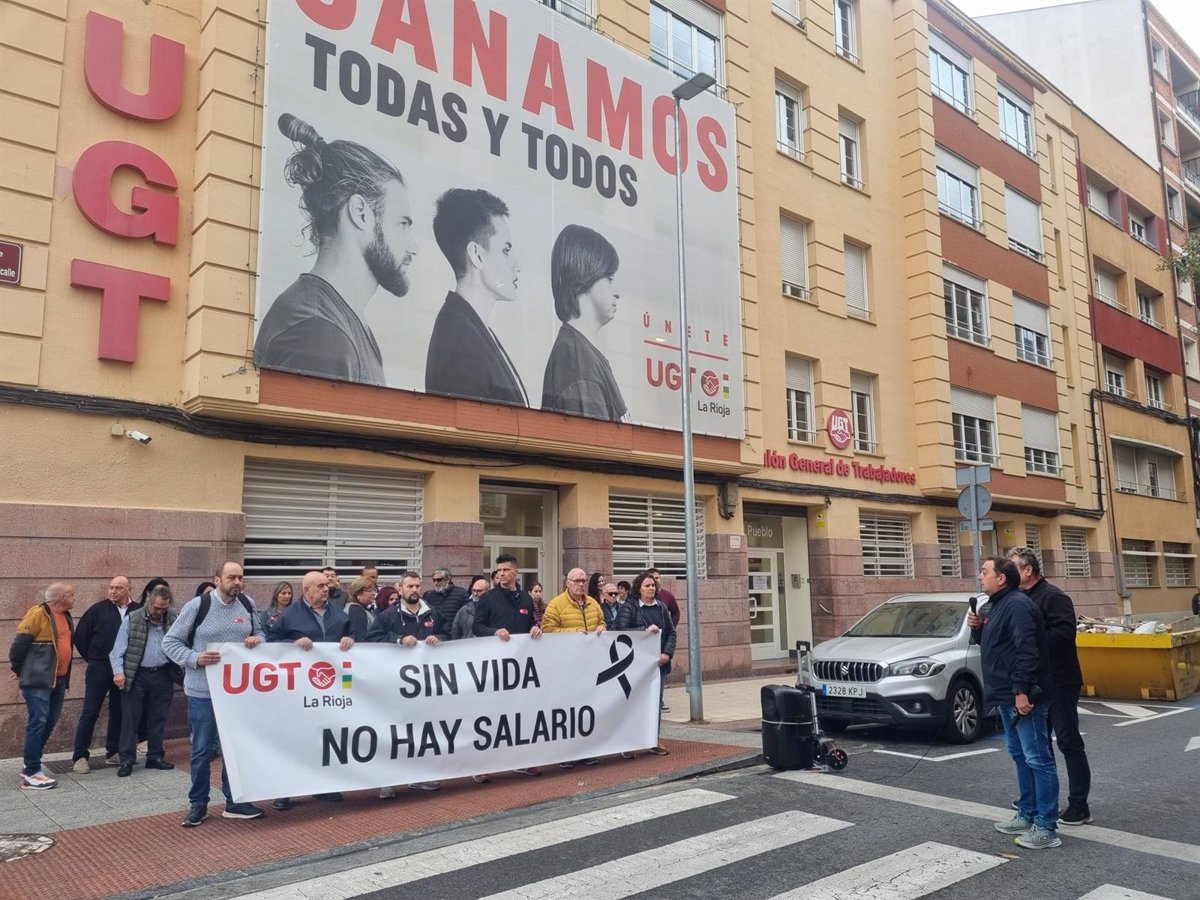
(102, 53)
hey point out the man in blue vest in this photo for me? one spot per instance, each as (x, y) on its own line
(142, 672)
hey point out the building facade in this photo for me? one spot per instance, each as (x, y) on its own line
(907, 267)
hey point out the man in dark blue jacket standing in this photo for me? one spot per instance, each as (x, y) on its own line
(312, 621)
(1058, 616)
(1016, 678)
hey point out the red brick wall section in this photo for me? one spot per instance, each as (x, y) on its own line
(969, 250)
(303, 394)
(1028, 487)
(1132, 337)
(979, 369)
(960, 135)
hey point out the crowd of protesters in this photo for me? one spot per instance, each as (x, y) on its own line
(135, 652)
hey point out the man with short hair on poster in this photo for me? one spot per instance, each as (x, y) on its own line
(579, 380)
(465, 358)
(360, 224)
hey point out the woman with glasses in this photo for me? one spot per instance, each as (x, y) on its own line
(361, 608)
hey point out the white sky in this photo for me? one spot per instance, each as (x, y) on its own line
(1184, 15)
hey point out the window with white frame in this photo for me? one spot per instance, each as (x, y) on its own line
(1076, 556)
(685, 37)
(789, 8)
(789, 120)
(845, 29)
(1139, 559)
(950, 74)
(1179, 561)
(1114, 376)
(1184, 289)
(1024, 223)
(1106, 287)
(851, 151)
(887, 549)
(854, 258)
(1016, 120)
(958, 188)
(949, 552)
(1145, 471)
(1158, 58)
(1147, 308)
(973, 417)
(1155, 395)
(1191, 358)
(966, 306)
(862, 403)
(1032, 323)
(793, 257)
(1174, 205)
(302, 517)
(579, 10)
(1100, 200)
(800, 420)
(1033, 539)
(1166, 127)
(1040, 428)
(1137, 228)
(652, 531)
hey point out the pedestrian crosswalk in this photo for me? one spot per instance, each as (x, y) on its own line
(667, 843)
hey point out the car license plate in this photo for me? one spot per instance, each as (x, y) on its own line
(844, 690)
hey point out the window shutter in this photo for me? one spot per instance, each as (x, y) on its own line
(964, 279)
(948, 50)
(856, 277)
(304, 517)
(1106, 286)
(1126, 459)
(793, 251)
(1033, 316)
(1075, 550)
(958, 167)
(887, 550)
(1024, 219)
(652, 531)
(969, 403)
(700, 14)
(1097, 198)
(860, 383)
(1041, 428)
(799, 375)
(948, 548)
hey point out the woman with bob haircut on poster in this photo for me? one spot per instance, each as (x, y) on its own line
(579, 380)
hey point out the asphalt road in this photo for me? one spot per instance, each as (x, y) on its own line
(906, 819)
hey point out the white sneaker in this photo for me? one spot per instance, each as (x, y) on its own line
(387, 793)
(82, 766)
(38, 782)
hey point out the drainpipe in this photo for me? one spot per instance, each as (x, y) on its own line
(1118, 560)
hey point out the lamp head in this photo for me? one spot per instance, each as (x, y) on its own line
(697, 84)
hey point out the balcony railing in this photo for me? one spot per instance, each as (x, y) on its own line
(1148, 490)
(1187, 105)
(1191, 173)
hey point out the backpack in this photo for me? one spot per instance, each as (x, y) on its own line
(205, 603)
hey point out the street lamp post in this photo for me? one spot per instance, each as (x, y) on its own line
(697, 84)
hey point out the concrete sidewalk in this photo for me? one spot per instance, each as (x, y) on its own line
(95, 824)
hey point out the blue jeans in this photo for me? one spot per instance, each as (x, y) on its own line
(45, 706)
(1037, 777)
(205, 743)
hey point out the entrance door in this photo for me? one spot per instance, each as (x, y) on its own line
(521, 522)
(766, 594)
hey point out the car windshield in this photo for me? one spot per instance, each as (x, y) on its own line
(935, 618)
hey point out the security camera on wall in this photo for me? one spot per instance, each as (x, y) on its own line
(140, 436)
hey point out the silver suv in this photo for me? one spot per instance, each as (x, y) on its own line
(907, 662)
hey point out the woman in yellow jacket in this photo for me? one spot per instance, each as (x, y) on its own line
(573, 610)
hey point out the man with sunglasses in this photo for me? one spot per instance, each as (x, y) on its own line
(446, 599)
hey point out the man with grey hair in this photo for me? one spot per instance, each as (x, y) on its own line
(446, 599)
(1058, 614)
(40, 659)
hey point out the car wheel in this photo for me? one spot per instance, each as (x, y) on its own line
(964, 714)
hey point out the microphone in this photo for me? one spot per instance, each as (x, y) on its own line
(973, 603)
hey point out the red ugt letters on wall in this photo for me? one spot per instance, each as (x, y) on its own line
(155, 207)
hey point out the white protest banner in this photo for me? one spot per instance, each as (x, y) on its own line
(295, 722)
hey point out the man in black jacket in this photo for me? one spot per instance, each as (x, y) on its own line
(1016, 679)
(94, 638)
(446, 599)
(1058, 616)
(508, 609)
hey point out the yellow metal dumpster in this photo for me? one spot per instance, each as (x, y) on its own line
(1140, 666)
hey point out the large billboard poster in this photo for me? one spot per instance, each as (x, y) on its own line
(476, 198)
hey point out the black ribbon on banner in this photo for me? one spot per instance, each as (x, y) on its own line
(619, 664)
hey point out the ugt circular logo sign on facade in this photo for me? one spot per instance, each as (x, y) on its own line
(839, 428)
